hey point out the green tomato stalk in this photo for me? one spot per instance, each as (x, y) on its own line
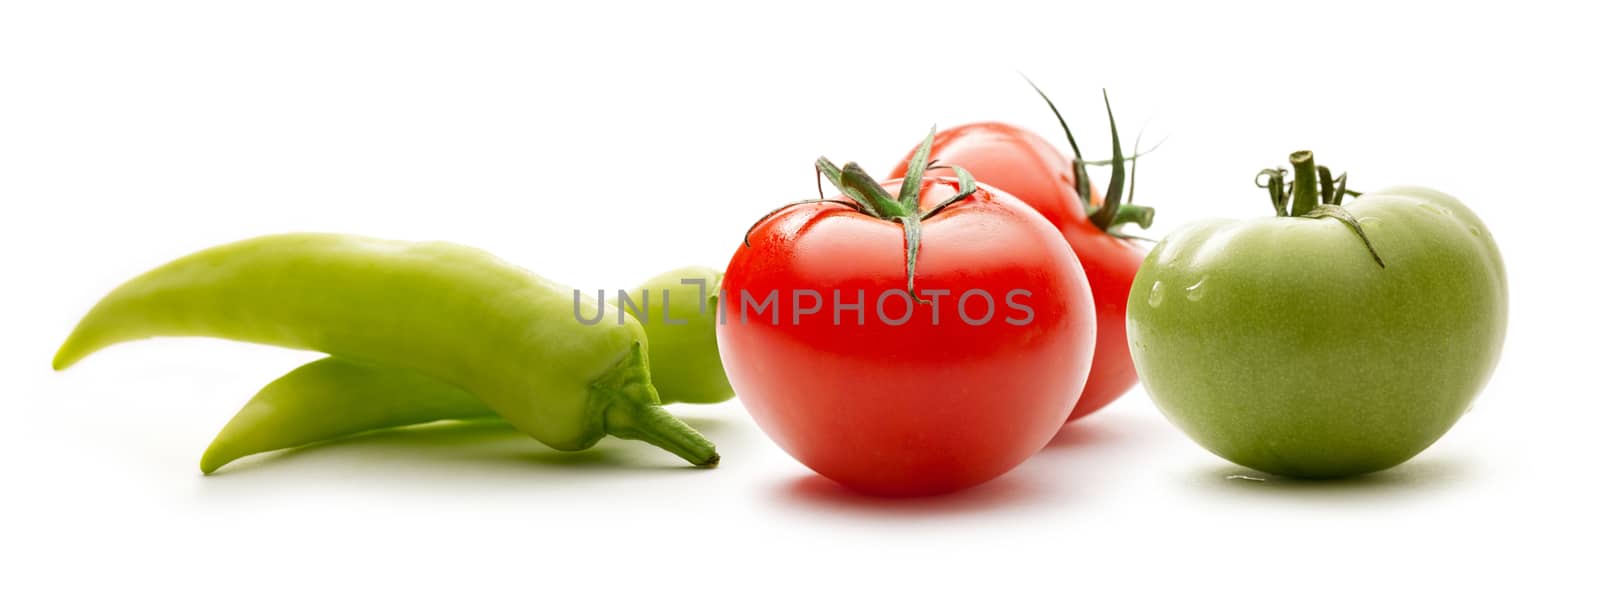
(868, 197)
(1313, 193)
(1110, 215)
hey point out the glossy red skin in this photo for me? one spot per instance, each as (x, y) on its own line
(916, 409)
(1019, 162)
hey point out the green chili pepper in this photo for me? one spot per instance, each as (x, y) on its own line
(333, 398)
(510, 338)
(680, 321)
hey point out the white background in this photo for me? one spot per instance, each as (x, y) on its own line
(600, 144)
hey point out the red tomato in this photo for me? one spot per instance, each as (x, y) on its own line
(940, 402)
(1025, 165)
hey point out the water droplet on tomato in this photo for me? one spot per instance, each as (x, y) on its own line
(1196, 292)
(1157, 292)
(1476, 232)
(1369, 222)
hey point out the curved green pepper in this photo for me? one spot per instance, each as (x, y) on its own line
(682, 329)
(510, 338)
(333, 398)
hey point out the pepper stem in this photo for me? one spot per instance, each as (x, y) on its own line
(653, 425)
(632, 410)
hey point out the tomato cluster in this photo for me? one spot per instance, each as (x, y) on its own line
(1027, 166)
(906, 401)
(1351, 368)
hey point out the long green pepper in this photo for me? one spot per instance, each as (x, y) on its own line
(460, 315)
(333, 398)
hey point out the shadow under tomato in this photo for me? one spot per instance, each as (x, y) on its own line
(1418, 476)
(1094, 451)
(1086, 433)
(819, 493)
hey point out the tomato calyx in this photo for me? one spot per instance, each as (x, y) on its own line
(1301, 196)
(864, 195)
(1114, 212)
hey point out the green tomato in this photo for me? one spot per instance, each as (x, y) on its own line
(1282, 344)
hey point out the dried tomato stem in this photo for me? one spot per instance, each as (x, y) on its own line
(1304, 190)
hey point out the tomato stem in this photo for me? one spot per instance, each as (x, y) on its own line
(967, 184)
(1080, 176)
(1105, 216)
(1128, 212)
(852, 204)
(912, 224)
(865, 189)
(1340, 214)
(1138, 215)
(1110, 213)
(910, 196)
(866, 196)
(1303, 190)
